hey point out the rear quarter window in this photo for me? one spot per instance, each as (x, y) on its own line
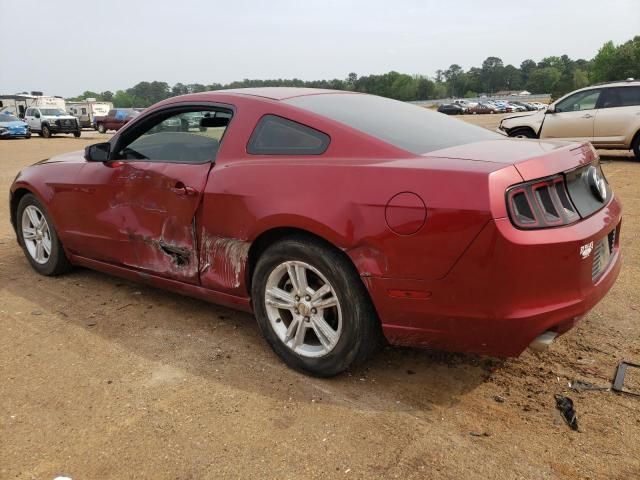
(276, 135)
(409, 127)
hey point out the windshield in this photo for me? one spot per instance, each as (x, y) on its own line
(412, 128)
(51, 111)
(8, 118)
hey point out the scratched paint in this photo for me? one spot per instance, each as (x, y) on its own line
(223, 259)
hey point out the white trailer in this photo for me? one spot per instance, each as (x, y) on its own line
(86, 110)
(17, 104)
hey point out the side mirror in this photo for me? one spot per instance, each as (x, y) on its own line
(98, 152)
(551, 109)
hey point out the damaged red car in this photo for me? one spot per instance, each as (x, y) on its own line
(339, 219)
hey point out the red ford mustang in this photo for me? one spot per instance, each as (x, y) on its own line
(337, 218)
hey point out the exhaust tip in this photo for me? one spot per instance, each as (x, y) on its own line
(542, 342)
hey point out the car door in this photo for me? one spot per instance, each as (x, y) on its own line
(138, 208)
(33, 118)
(572, 118)
(617, 119)
(108, 121)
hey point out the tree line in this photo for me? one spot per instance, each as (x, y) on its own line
(554, 75)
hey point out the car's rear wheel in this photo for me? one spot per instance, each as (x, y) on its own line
(312, 307)
(522, 133)
(46, 131)
(101, 128)
(39, 239)
(77, 134)
(636, 146)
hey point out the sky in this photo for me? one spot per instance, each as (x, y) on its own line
(65, 48)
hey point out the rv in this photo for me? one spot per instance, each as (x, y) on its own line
(17, 104)
(85, 111)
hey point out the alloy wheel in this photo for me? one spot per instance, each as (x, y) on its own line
(36, 234)
(303, 309)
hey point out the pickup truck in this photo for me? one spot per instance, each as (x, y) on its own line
(115, 119)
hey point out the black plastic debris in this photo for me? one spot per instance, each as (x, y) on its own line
(618, 381)
(565, 405)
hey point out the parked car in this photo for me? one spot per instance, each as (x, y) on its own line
(525, 106)
(514, 107)
(451, 109)
(606, 115)
(484, 107)
(49, 121)
(12, 127)
(464, 103)
(538, 105)
(335, 218)
(115, 119)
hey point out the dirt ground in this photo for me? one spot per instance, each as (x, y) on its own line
(106, 379)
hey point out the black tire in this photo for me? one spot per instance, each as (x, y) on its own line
(46, 131)
(77, 134)
(361, 332)
(636, 146)
(28, 135)
(57, 263)
(101, 128)
(522, 133)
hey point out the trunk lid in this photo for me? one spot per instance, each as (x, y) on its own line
(532, 158)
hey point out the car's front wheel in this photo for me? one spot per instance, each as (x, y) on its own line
(522, 133)
(39, 239)
(312, 307)
(46, 131)
(77, 133)
(101, 128)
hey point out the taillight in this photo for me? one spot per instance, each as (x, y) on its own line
(541, 203)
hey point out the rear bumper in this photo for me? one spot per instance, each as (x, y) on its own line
(509, 287)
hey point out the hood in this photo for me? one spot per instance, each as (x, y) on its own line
(14, 124)
(532, 158)
(61, 117)
(70, 157)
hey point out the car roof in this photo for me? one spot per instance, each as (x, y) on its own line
(279, 93)
(621, 83)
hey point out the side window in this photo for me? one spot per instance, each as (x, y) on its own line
(278, 136)
(111, 113)
(28, 114)
(586, 100)
(185, 137)
(84, 111)
(629, 96)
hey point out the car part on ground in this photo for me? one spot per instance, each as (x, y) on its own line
(565, 405)
(618, 381)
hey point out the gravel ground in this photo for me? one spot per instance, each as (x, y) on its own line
(106, 379)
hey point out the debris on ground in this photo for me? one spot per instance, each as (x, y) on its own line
(581, 386)
(480, 434)
(618, 380)
(565, 405)
(499, 398)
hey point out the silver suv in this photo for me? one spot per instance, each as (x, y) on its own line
(607, 115)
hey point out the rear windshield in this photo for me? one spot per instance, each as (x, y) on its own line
(412, 128)
(5, 117)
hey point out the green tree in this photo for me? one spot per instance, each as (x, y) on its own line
(122, 99)
(493, 74)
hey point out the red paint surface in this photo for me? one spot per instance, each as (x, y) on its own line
(491, 288)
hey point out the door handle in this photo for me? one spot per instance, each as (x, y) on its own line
(181, 189)
(588, 115)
